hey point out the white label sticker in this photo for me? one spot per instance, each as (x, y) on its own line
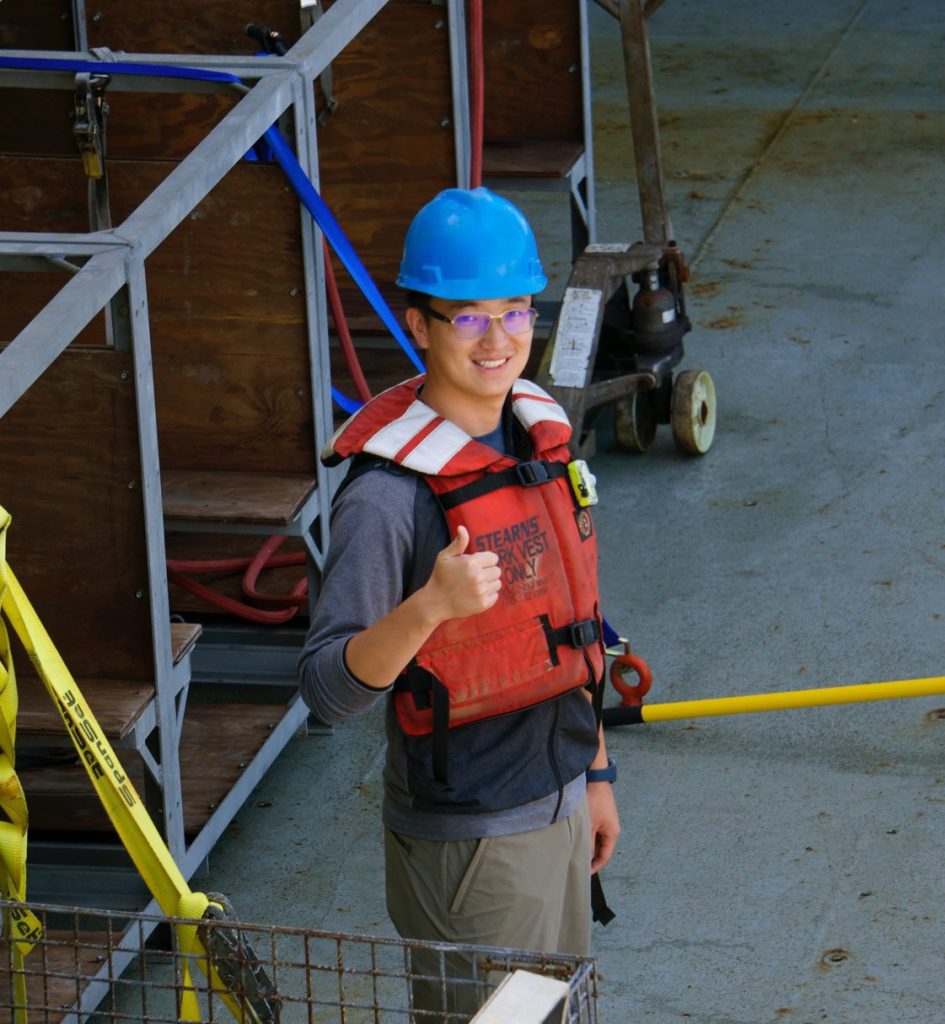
(574, 340)
(669, 315)
(607, 247)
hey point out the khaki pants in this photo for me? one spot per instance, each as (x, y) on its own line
(530, 890)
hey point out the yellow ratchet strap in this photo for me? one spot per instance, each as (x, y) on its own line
(124, 808)
(20, 926)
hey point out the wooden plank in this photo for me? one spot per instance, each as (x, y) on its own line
(57, 971)
(233, 411)
(70, 477)
(218, 741)
(182, 26)
(208, 496)
(161, 126)
(535, 158)
(116, 703)
(143, 126)
(41, 195)
(44, 195)
(383, 362)
(184, 636)
(38, 121)
(37, 25)
(228, 328)
(388, 147)
(395, 115)
(532, 70)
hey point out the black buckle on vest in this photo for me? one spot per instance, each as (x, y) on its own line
(583, 634)
(530, 474)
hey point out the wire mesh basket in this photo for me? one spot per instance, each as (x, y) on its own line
(111, 967)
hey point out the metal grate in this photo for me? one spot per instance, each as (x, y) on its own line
(107, 967)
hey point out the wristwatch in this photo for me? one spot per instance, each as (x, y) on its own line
(608, 774)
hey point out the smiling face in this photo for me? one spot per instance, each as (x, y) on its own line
(468, 380)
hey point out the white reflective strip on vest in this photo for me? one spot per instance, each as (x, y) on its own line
(437, 449)
(388, 441)
(528, 387)
(530, 411)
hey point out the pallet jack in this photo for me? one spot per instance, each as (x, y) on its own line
(608, 347)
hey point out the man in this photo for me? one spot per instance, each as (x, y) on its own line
(461, 582)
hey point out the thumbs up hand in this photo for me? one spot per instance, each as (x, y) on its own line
(464, 584)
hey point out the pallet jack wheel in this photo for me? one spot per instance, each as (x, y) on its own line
(634, 422)
(692, 412)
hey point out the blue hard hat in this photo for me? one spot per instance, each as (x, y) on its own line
(471, 244)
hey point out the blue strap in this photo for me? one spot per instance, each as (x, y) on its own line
(346, 404)
(611, 637)
(287, 161)
(326, 221)
(116, 67)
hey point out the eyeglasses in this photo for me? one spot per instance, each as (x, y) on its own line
(471, 326)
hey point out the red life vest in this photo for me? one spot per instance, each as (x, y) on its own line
(543, 636)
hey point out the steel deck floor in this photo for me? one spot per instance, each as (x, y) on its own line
(779, 867)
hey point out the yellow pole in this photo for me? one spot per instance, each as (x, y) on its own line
(782, 701)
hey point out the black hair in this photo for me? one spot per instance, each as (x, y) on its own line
(417, 300)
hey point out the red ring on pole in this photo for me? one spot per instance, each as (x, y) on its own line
(631, 696)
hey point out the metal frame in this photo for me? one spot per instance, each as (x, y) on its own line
(589, 210)
(108, 262)
(90, 963)
(459, 76)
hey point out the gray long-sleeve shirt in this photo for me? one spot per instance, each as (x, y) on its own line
(376, 558)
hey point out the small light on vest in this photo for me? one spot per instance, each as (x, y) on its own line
(583, 483)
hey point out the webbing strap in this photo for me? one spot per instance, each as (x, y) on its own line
(428, 693)
(125, 810)
(577, 634)
(441, 732)
(600, 912)
(21, 927)
(524, 474)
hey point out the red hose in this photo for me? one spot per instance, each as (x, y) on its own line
(228, 604)
(262, 560)
(477, 90)
(286, 605)
(230, 565)
(341, 326)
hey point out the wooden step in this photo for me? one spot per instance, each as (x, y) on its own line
(183, 638)
(218, 741)
(219, 496)
(537, 158)
(116, 703)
